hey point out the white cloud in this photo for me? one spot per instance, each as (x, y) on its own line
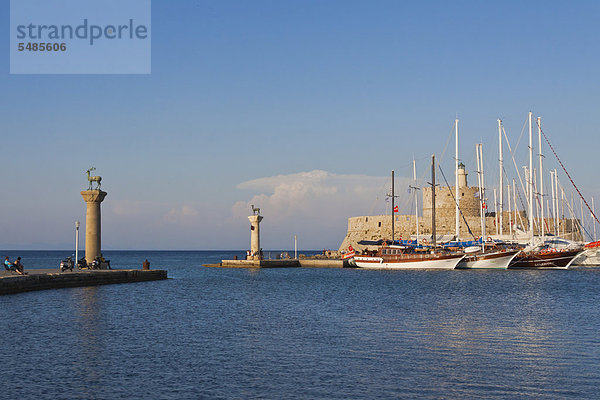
(315, 204)
(181, 214)
(127, 208)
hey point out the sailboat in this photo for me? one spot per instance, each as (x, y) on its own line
(478, 257)
(543, 255)
(410, 257)
(590, 255)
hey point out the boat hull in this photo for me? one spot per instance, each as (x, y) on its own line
(590, 258)
(547, 260)
(421, 262)
(495, 260)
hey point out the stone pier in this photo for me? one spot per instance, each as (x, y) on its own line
(42, 279)
(93, 248)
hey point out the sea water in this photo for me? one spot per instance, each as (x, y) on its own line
(302, 333)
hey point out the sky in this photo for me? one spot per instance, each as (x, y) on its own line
(301, 108)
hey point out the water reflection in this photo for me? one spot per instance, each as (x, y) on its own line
(309, 333)
(89, 341)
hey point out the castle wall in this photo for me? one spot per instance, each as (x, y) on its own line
(375, 227)
(445, 205)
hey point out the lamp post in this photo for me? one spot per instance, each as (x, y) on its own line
(76, 242)
(295, 247)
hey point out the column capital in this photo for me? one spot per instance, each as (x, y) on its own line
(93, 196)
(255, 218)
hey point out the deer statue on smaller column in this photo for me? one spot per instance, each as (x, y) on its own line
(91, 179)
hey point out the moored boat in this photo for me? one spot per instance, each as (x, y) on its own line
(489, 259)
(406, 257)
(590, 256)
(411, 256)
(486, 254)
(545, 259)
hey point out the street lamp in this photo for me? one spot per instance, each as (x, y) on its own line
(76, 241)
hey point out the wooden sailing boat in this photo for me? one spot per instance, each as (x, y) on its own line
(541, 256)
(409, 257)
(494, 257)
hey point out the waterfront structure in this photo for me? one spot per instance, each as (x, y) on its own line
(407, 257)
(255, 250)
(93, 230)
(376, 227)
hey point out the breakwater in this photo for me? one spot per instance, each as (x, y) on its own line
(43, 279)
(291, 263)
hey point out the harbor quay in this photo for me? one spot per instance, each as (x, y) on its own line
(91, 270)
(255, 259)
(42, 279)
(509, 225)
(286, 263)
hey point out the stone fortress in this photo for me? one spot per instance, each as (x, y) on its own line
(377, 227)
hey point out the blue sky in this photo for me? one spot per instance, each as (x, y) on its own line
(247, 99)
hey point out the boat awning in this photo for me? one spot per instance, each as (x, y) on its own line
(387, 242)
(375, 242)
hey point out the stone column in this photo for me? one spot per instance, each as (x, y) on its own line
(255, 236)
(93, 248)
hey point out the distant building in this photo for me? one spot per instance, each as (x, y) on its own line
(375, 227)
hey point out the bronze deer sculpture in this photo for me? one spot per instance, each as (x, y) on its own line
(91, 179)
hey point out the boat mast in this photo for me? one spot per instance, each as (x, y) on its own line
(536, 216)
(433, 236)
(552, 179)
(556, 200)
(501, 203)
(582, 220)
(456, 198)
(572, 215)
(496, 211)
(415, 188)
(510, 222)
(530, 181)
(514, 192)
(563, 197)
(594, 222)
(478, 151)
(484, 221)
(539, 123)
(393, 207)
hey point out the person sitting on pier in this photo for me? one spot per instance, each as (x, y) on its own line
(14, 267)
(18, 267)
(104, 261)
(7, 264)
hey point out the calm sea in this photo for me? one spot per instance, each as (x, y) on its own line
(303, 334)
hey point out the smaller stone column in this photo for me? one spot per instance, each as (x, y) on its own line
(255, 236)
(93, 248)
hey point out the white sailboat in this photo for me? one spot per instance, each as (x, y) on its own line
(478, 257)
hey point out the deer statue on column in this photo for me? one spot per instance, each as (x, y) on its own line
(92, 179)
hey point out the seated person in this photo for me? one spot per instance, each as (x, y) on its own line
(7, 264)
(18, 267)
(104, 261)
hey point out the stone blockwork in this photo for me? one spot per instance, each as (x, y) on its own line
(445, 204)
(377, 227)
(380, 226)
(42, 281)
